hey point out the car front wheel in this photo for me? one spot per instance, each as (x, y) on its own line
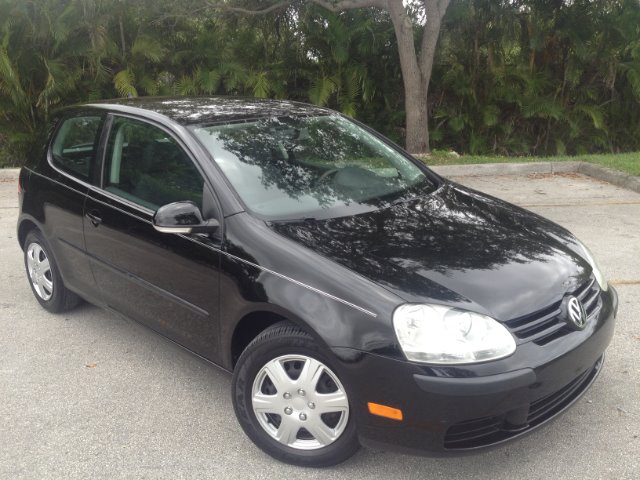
(290, 402)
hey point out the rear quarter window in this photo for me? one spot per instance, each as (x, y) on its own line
(74, 145)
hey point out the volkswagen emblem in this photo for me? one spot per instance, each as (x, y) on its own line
(575, 315)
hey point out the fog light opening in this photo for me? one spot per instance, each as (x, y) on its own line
(516, 420)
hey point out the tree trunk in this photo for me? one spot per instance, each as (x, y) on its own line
(435, 10)
(417, 67)
(124, 49)
(415, 94)
(417, 120)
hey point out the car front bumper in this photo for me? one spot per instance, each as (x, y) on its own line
(470, 407)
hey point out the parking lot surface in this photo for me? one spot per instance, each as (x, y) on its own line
(87, 394)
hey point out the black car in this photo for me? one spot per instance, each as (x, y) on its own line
(357, 297)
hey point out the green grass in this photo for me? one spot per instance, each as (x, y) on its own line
(624, 162)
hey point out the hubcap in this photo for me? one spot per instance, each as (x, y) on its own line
(314, 402)
(39, 271)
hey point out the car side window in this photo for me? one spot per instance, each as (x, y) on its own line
(147, 166)
(74, 147)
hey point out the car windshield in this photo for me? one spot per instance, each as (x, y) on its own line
(310, 167)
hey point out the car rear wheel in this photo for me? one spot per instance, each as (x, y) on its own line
(290, 402)
(44, 277)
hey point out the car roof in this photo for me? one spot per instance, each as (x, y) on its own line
(203, 110)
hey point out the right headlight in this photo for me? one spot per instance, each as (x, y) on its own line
(444, 335)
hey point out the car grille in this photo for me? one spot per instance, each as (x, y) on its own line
(547, 324)
(482, 432)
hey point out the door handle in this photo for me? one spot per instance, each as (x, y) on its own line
(94, 218)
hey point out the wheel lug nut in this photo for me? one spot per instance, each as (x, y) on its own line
(288, 410)
(303, 417)
(287, 395)
(301, 392)
(311, 405)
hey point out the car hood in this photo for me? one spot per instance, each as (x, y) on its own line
(454, 246)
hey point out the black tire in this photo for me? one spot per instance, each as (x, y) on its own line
(284, 339)
(57, 299)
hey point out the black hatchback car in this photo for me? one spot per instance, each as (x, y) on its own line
(357, 297)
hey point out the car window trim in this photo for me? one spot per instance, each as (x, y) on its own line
(104, 137)
(76, 114)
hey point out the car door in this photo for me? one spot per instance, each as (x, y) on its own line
(166, 281)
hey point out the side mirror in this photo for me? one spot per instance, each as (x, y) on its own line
(182, 217)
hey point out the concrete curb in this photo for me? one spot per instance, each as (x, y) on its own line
(484, 169)
(614, 177)
(620, 179)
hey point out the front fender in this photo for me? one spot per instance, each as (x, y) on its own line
(263, 271)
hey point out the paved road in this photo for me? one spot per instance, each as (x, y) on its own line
(89, 395)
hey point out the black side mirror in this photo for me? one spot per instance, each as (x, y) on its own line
(182, 217)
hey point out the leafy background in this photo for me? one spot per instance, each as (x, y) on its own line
(512, 77)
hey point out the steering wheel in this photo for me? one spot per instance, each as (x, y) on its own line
(325, 175)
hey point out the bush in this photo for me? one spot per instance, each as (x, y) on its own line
(13, 151)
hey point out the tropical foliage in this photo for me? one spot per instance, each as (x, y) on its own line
(539, 77)
(511, 76)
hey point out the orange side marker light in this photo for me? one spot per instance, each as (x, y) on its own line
(384, 411)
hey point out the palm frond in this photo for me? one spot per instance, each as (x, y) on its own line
(124, 81)
(321, 89)
(259, 83)
(148, 48)
(541, 107)
(631, 71)
(209, 81)
(187, 85)
(594, 113)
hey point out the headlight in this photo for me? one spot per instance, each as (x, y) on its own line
(588, 256)
(444, 335)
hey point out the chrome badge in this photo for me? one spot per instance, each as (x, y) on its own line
(575, 315)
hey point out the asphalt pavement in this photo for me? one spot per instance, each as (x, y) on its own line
(87, 394)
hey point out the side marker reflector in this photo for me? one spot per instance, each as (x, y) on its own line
(384, 411)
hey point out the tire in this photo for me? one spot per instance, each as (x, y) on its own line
(44, 276)
(283, 384)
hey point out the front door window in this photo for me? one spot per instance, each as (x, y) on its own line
(147, 166)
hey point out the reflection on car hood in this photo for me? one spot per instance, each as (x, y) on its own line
(455, 246)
